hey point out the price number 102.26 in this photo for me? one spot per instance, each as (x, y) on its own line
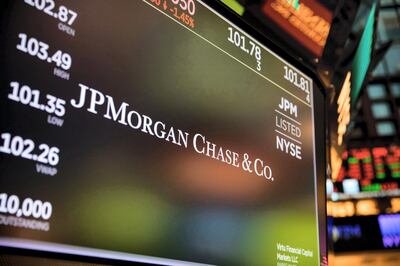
(20, 147)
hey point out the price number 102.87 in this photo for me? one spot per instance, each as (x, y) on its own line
(63, 13)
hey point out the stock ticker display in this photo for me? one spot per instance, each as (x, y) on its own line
(372, 170)
(157, 129)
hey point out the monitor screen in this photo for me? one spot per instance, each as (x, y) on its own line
(155, 131)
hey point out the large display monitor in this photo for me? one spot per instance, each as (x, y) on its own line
(156, 131)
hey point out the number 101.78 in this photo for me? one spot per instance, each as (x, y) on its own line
(248, 46)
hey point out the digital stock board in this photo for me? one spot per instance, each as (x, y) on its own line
(369, 169)
(156, 131)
